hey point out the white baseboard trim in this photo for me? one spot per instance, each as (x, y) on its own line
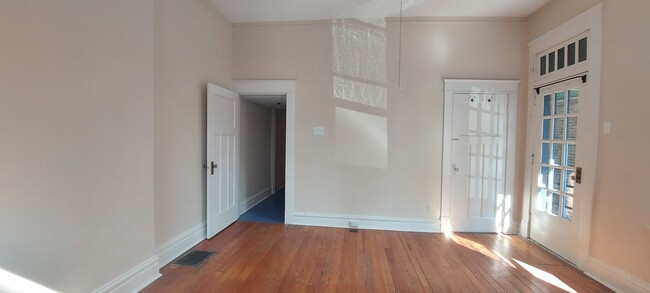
(254, 200)
(135, 279)
(367, 222)
(614, 278)
(288, 217)
(180, 244)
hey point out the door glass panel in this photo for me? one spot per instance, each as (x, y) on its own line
(543, 178)
(568, 181)
(555, 203)
(558, 129)
(571, 155)
(573, 101)
(572, 128)
(557, 179)
(557, 155)
(546, 129)
(546, 150)
(559, 103)
(547, 105)
(567, 207)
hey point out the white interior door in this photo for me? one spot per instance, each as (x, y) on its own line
(222, 152)
(566, 132)
(478, 158)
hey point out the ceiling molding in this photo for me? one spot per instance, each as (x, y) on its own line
(315, 11)
(387, 19)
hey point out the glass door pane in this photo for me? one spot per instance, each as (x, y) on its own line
(558, 153)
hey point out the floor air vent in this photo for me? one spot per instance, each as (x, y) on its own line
(193, 258)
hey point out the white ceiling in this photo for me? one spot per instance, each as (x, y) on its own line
(268, 101)
(238, 11)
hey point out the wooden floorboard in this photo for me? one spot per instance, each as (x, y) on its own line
(257, 257)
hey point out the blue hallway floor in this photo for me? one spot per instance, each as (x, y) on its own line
(270, 210)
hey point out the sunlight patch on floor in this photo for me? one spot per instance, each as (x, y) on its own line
(545, 276)
(480, 248)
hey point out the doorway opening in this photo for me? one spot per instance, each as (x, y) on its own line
(285, 88)
(262, 158)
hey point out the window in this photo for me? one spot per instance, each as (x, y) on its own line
(558, 153)
(564, 56)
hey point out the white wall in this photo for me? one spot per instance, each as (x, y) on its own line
(192, 48)
(76, 140)
(255, 151)
(620, 234)
(432, 50)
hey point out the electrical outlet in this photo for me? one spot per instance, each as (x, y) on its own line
(354, 224)
(319, 131)
(428, 208)
(607, 127)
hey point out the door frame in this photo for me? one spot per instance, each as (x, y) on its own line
(279, 87)
(476, 86)
(589, 21)
(274, 144)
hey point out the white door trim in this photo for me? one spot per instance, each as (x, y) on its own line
(273, 146)
(456, 86)
(589, 21)
(279, 87)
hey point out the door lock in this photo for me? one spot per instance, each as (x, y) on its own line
(579, 175)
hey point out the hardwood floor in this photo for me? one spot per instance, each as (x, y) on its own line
(256, 257)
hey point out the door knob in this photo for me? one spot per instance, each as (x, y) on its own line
(455, 168)
(212, 167)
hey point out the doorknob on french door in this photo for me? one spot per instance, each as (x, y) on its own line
(212, 167)
(455, 168)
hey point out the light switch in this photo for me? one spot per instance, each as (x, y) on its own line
(607, 127)
(319, 131)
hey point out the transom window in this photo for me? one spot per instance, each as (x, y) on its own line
(563, 56)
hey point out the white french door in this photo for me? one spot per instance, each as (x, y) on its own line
(478, 157)
(222, 152)
(479, 141)
(565, 131)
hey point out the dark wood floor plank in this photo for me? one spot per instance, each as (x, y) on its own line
(256, 257)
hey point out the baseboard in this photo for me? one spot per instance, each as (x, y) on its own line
(288, 217)
(367, 222)
(513, 229)
(614, 278)
(254, 200)
(135, 279)
(180, 244)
